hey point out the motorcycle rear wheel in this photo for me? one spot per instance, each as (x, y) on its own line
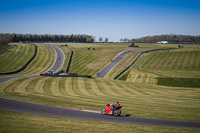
(117, 112)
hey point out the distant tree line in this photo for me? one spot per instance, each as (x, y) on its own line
(4, 39)
(171, 38)
(48, 38)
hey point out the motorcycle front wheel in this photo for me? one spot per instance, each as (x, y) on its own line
(103, 112)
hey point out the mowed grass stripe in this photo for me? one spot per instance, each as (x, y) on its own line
(31, 87)
(44, 59)
(69, 87)
(108, 89)
(11, 88)
(62, 87)
(89, 86)
(55, 87)
(47, 86)
(39, 87)
(76, 86)
(22, 85)
(82, 88)
(16, 57)
(119, 89)
(41, 60)
(15, 60)
(95, 88)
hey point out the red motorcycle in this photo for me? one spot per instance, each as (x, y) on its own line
(112, 110)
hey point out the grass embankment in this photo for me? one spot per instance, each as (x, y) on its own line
(89, 62)
(174, 63)
(179, 63)
(20, 122)
(138, 100)
(17, 56)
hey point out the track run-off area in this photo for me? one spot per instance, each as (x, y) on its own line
(75, 87)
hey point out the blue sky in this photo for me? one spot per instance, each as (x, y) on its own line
(114, 19)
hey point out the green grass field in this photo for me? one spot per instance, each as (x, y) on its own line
(139, 93)
(17, 56)
(174, 63)
(20, 122)
(138, 100)
(178, 63)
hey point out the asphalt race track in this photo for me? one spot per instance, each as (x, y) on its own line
(59, 60)
(104, 71)
(30, 108)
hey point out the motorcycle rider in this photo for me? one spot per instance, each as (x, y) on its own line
(114, 106)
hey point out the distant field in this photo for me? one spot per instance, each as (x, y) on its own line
(138, 100)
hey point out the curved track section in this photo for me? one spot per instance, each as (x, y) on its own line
(37, 109)
(59, 60)
(104, 71)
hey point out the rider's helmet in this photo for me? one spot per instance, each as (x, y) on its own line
(117, 102)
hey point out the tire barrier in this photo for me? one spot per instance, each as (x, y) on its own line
(59, 74)
(6, 49)
(137, 59)
(22, 68)
(69, 62)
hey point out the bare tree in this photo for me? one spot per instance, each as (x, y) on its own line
(121, 40)
(106, 39)
(100, 39)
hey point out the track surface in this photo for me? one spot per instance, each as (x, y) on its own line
(24, 107)
(104, 71)
(59, 60)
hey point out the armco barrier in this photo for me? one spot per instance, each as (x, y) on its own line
(69, 62)
(137, 59)
(65, 75)
(22, 68)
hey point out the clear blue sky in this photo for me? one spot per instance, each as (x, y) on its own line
(114, 19)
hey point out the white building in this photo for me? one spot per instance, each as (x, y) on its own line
(163, 42)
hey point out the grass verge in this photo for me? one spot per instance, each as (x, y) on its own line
(13, 122)
(179, 82)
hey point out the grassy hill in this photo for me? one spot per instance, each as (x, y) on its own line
(138, 100)
(177, 64)
(139, 94)
(16, 57)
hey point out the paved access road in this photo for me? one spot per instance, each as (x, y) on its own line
(24, 107)
(104, 71)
